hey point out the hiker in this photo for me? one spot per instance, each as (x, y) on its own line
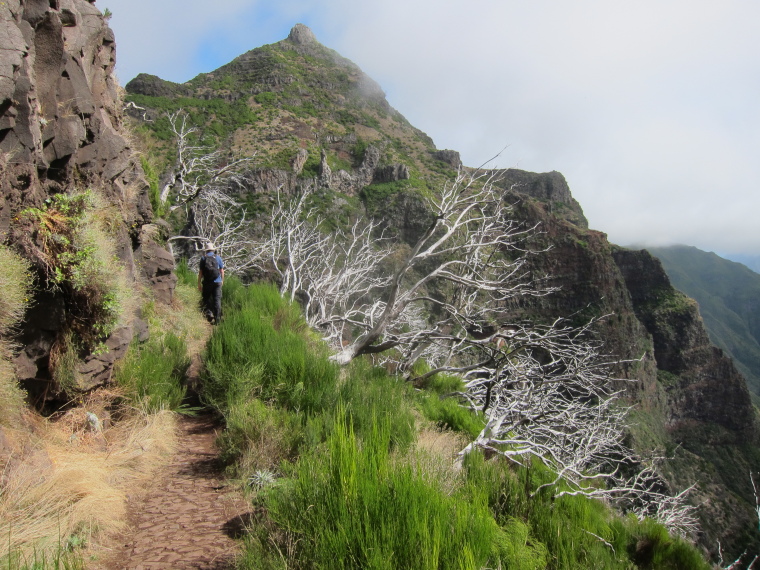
(210, 279)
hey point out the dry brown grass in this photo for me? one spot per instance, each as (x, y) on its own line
(68, 479)
(16, 285)
(61, 477)
(182, 317)
(434, 454)
(11, 397)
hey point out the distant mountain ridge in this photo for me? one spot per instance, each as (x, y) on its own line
(751, 261)
(728, 294)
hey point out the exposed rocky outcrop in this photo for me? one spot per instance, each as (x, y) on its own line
(709, 388)
(301, 35)
(61, 130)
(548, 187)
(153, 86)
(391, 173)
(450, 157)
(156, 263)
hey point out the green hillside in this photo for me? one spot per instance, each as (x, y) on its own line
(728, 294)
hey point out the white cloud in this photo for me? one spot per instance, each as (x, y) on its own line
(648, 108)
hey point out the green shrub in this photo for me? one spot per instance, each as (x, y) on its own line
(185, 275)
(258, 437)
(70, 238)
(652, 548)
(448, 413)
(259, 350)
(153, 374)
(370, 393)
(266, 98)
(217, 116)
(437, 403)
(154, 192)
(576, 532)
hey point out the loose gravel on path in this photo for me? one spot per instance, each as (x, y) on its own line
(186, 519)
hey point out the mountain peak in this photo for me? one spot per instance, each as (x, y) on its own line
(301, 35)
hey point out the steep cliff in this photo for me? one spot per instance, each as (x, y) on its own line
(688, 400)
(62, 135)
(728, 294)
(709, 387)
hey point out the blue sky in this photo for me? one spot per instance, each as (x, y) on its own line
(650, 109)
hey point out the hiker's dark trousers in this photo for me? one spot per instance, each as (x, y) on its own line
(212, 299)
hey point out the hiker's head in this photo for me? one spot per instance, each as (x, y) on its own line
(210, 246)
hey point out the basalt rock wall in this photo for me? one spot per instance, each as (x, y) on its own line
(61, 131)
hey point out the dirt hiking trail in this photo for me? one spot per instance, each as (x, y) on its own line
(187, 517)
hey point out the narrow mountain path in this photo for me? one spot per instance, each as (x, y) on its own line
(187, 518)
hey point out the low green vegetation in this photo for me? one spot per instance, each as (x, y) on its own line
(70, 241)
(151, 174)
(217, 117)
(16, 285)
(340, 477)
(153, 374)
(64, 558)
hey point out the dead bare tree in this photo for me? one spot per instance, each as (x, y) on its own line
(738, 564)
(204, 183)
(544, 391)
(198, 169)
(472, 243)
(471, 247)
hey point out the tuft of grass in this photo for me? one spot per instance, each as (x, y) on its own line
(353, 508)
(64, 358)
(449, 414)
(16, 284)
(60, 557)
(437, 405)
(153, 374)
(258, 437)
(279, 367)
(71, 482)
(11, 396)
(370, 393)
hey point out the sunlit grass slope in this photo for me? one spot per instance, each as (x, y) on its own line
(340, 476)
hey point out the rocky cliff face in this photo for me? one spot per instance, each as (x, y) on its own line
(61, 131)
(708, 387)
(688, 399)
